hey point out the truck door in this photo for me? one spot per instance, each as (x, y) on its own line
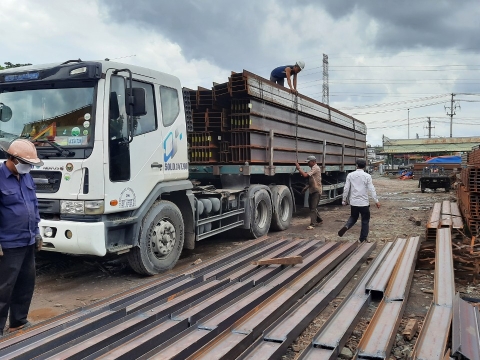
(134, 168)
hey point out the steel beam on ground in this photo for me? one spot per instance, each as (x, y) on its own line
(465, 329)
(446, 216)
(233, 342)
(378, 339)
(334, 333)
(434, 219)
(273, 344)
(432, 340)
(457, 221)
(185, 344)
(379, 281)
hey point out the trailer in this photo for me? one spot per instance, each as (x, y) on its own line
(135, 164)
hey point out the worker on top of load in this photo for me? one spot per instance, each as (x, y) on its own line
(279, 74)
(314, 188)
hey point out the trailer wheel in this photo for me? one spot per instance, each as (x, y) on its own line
(261, 214)
(283, 206)
(160, 240)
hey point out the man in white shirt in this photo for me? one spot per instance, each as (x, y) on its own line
(355, 193)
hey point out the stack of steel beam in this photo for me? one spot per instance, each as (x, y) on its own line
(244, 110)
(469, 192)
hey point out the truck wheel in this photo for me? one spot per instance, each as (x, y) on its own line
(282, 215)
(160, 240)
(261, 214)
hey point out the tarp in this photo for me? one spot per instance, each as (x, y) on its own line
(445, 160)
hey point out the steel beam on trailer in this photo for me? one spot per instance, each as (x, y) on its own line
(378, 283)
(332, 336)
(196, 337)
(378, 339)
(432, 340)
(242, 334)
(465, 329)
(289, 326)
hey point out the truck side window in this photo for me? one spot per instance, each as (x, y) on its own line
(146, 123)
(170, 105)
(119, 164)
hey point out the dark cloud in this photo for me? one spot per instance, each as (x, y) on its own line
(412, 23)
(226, 33)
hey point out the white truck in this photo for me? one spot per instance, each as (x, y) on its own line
(115, 179)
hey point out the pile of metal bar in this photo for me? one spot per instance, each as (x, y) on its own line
(432, 340)
(218, 307)
(465, 330)
(468, 193)
(242, 112)
(466, 252)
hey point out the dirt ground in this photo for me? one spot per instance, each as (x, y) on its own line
(65, 283)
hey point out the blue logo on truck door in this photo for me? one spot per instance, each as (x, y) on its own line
(170, 144)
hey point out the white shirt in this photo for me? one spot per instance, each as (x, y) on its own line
(358, 184)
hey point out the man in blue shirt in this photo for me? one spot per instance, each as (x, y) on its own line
(19, 233)
(279, 74)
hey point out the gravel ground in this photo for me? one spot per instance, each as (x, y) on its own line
(65, 283)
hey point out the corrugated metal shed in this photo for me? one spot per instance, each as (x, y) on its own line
(432, 145)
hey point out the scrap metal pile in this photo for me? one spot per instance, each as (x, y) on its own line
(231, 307)
(466, 251)
(232, 123)
(468, 192)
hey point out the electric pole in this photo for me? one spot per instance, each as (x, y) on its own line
(430, 127)
(408, 124)
(453, 108)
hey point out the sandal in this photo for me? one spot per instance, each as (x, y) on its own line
(310, 227)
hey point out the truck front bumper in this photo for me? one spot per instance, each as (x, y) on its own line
(85, 238)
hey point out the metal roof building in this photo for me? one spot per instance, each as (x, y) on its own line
(429, 146)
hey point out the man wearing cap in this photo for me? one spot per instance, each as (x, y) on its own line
(314, 189)
(355, 193)
(279, 74)
(19, 233)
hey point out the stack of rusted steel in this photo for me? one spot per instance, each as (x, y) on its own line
(241, 113)
(466, 251)
(469, 192)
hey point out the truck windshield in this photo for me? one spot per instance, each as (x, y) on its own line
(61, 115)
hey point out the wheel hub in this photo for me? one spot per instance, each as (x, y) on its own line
(162, 238)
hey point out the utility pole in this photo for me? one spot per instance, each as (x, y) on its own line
(325, 88)
(453, 108)
(408, 124)
(430, 127)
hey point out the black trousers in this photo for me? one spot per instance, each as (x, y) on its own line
(17, 282)
(364, 211)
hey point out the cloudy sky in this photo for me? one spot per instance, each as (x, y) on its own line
(385, 56)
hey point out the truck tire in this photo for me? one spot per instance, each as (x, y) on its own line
(160, 240)
(261, 214)
(283, 206)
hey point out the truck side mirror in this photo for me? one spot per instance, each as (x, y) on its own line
(5, 113)
(138, 98)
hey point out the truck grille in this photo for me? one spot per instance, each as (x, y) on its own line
(46, 181)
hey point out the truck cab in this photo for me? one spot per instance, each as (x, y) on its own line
(112, 140)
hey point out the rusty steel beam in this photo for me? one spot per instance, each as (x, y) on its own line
(432, 340)
(379, 281)
(434, 219)
(191, 340)
(378, 339)
(465, 329)
(446, 216)
(233, 342)
(289, 325)
(457, 221)
(332, 336)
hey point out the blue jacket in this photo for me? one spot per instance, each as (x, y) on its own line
(19, 216)
(279, 72)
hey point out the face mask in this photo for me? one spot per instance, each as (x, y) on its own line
(23, 168)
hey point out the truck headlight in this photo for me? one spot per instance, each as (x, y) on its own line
(95, 207)
(72, 207)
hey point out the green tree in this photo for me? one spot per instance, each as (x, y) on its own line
(9, 65)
